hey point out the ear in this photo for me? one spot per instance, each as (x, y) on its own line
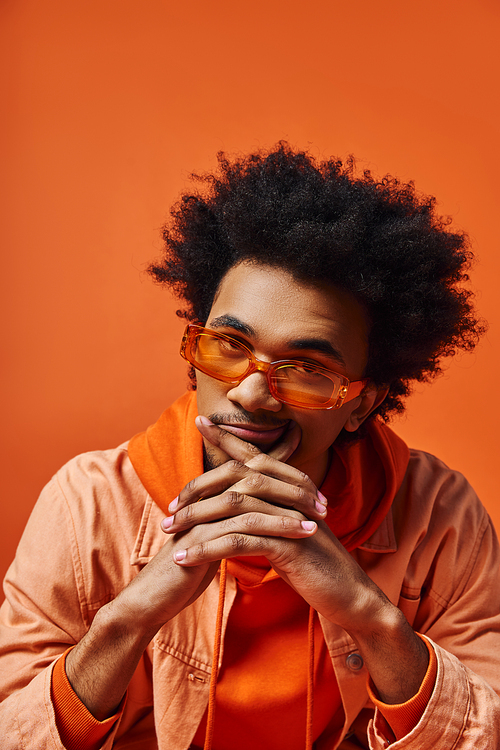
(371, 397)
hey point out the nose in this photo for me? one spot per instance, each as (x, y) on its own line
(253, 394)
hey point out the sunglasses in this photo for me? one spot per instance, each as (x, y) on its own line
(290, 381)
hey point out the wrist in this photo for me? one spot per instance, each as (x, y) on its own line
(378, 621)
(395, 656)
(120, 622)
(100, 667)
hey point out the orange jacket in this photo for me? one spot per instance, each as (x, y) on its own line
(435, 555)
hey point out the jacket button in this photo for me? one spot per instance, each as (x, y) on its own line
(354, 662)
(195, 678)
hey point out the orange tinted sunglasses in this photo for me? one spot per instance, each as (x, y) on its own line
(290, 381)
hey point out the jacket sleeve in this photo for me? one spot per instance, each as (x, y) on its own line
(42, 615)
(456, 605)
(462, 714)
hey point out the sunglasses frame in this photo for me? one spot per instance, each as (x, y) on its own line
(348, 389)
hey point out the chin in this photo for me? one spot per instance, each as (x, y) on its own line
(211, 459)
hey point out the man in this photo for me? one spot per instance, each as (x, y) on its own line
(357, 604)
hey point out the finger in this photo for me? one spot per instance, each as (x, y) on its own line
(262, 477)
(271, 463)
(228, 505)
(255, 492)
(297, 494)
(251, 534)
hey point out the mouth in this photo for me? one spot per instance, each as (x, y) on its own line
(257, 434)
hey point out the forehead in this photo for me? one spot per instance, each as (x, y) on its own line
(280, 309)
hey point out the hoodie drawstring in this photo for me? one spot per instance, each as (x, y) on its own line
(215, 667)
(310, 681)
(215, 659)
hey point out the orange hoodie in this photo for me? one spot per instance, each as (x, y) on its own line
(265, 665)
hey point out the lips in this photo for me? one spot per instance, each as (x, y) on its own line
(254, 434)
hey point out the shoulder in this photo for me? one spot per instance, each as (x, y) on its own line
(431, 488)
(443, 524)
(100, 481)
(86, 523)
(102, 498)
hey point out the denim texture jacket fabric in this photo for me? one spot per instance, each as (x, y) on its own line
(435, 555)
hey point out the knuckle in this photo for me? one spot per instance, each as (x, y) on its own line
(237, 542)
(234, 466)
(304, 478)
(299, 495)
(186, 514)
(201, 550)
(287, 523)
(255, 481)
(251, 520)
(233, 499)
(253, 450)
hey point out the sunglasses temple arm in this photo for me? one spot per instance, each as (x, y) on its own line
(354, 389)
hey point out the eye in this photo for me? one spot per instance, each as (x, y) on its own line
(229, 348)
(307, 372)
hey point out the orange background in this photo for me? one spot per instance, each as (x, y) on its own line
(109, 104)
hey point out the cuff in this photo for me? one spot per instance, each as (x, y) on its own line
(77, 727)
(403, 717)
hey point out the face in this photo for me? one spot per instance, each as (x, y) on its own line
(278, 317)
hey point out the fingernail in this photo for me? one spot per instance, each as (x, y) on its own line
(308, 525)
(173, 505)
(180, 555)
(319, 507)
(167, 522)
(322, 498)
(205, 421)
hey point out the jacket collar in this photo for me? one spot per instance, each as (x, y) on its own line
(150, 538)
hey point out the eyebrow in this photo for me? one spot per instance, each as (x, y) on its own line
(322, 346)
(228, 321)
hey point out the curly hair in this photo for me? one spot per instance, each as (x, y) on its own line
(378, 239)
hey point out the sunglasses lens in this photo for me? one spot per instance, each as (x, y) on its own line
(304, 385)
(227, 360)
(219, 356)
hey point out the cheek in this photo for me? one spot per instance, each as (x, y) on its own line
(319, 433)
(313, 454)
(209, 393)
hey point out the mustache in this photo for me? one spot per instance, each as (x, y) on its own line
(244, 417)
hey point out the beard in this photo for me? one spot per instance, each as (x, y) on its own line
(209, 460)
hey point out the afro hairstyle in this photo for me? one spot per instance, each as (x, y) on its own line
(378, 239)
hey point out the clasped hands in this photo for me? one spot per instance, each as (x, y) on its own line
(255, 504)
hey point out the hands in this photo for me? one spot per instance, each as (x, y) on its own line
(255, 493)
(256, 505)
(238, 496)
